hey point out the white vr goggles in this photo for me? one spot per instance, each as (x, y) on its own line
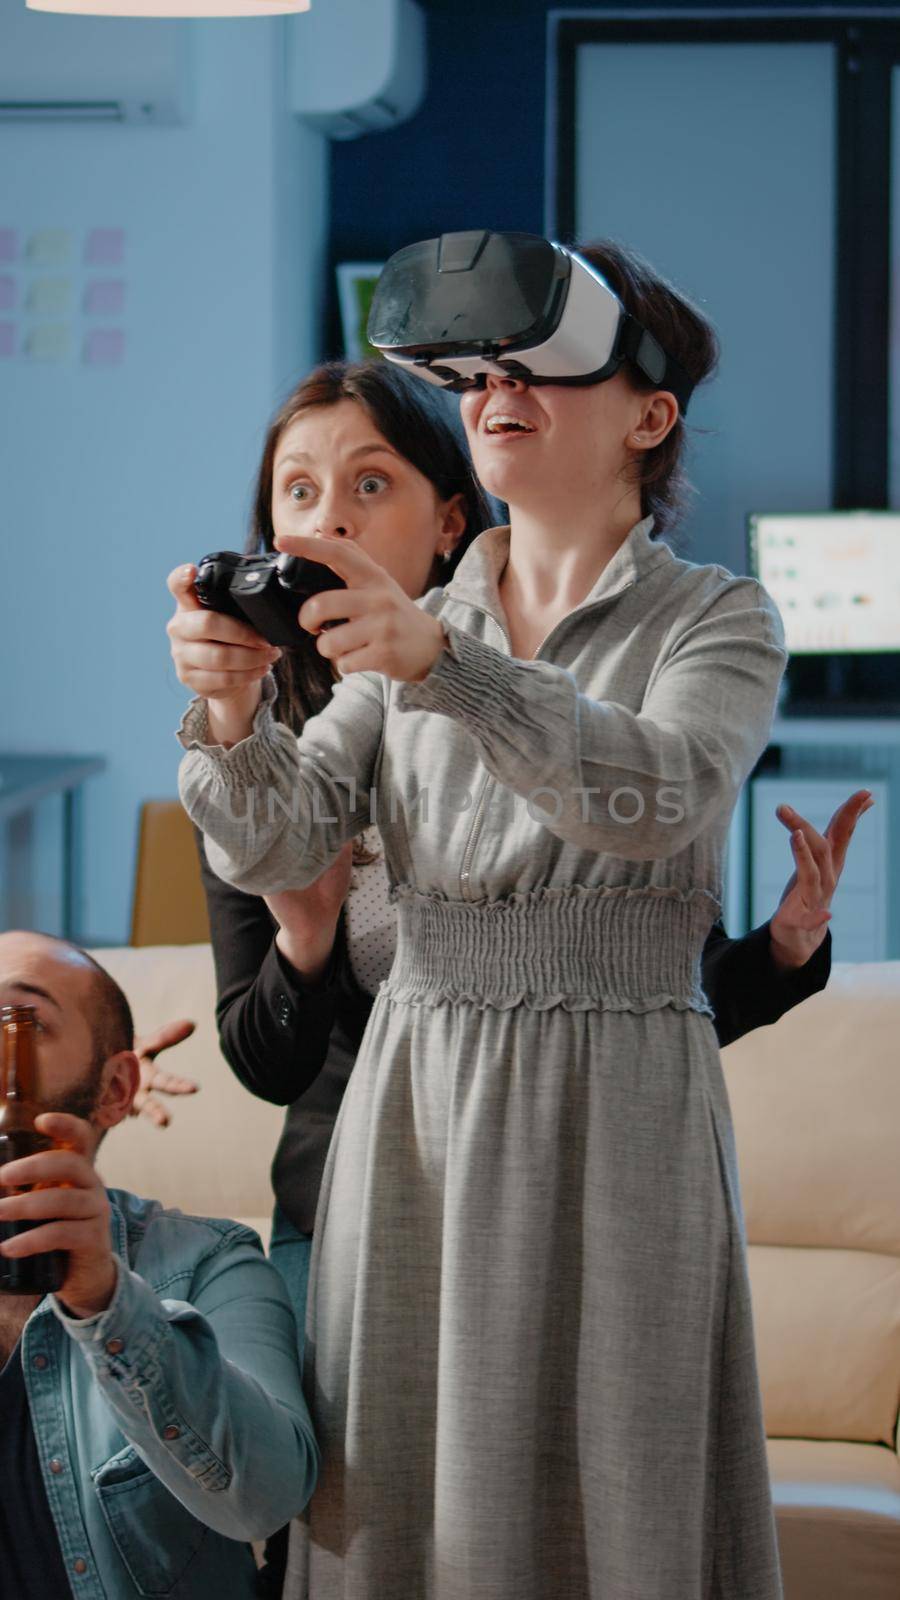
(459, 307)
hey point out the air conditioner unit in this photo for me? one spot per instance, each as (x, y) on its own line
(356, 66)
(91, 69)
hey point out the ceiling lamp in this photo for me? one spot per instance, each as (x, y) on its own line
(171, 8)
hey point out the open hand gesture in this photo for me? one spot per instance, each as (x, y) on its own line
(154, 1081)
(798, 926)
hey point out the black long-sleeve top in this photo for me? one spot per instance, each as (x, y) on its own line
(295, 1043)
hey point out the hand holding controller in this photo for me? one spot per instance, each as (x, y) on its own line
(267, 591)
(219, 657)
(229, 614)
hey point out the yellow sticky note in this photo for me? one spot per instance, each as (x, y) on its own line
(50, 297)
(51, 341)
(50, 247)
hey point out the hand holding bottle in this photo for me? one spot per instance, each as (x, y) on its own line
(65, 1203)
(26, 1272)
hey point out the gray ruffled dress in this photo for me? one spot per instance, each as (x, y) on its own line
(530, 1347)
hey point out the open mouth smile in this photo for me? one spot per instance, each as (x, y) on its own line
(504, 424)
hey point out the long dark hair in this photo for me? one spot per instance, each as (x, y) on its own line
(412, 419)
(688, 336)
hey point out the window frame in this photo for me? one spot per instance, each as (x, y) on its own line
(866, 51)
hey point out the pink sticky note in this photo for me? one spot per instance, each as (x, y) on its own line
(105, 297)
(9, 244)
(105, 247)
(105, 347)
(7, 340)
(7, 292)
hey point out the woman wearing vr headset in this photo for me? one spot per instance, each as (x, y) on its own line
(295, 990)
(531, 1205)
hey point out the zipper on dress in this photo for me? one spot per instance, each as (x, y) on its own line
(469, 851)
(475, 828)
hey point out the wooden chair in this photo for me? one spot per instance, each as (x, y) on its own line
(169, 906)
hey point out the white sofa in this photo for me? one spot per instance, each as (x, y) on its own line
(214, 1157)
(816, 1106)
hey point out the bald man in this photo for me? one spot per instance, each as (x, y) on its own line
(152, 1421)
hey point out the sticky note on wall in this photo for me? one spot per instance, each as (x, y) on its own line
(105, 297)
(104, 347)
(50, 247)
(7, 340)
(7, 292)
(49, 297)
(50, 342)
(105, 247)
(9, 244)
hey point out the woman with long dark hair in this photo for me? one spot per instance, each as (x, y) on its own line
(385, 469)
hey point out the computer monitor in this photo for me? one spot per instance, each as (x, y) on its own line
(835, 577)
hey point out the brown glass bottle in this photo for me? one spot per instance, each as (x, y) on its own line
(19, 1105)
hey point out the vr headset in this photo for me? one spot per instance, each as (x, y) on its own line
(459, 307)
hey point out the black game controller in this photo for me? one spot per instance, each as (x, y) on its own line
(266, 591)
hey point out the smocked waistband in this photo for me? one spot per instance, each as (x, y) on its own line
(584, 949)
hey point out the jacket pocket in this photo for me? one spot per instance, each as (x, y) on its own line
(156, 1537)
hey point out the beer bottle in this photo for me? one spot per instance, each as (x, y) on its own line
(19, 1105)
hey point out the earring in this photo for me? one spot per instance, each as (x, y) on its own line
(445, 556)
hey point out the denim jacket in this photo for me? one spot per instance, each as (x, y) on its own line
(171, 1428)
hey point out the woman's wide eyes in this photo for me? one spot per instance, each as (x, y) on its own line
(371, 483)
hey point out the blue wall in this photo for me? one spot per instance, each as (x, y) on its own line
(112, 475)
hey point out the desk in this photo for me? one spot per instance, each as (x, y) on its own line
(26, 781)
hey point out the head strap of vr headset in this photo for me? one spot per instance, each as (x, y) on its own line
(636, 344)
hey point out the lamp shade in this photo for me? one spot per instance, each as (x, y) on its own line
(171, 8)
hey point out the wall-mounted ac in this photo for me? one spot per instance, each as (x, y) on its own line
(91, 69)
(356, 66)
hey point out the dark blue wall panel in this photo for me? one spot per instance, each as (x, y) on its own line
(474, 155)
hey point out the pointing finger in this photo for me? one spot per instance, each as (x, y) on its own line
(341, 555)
